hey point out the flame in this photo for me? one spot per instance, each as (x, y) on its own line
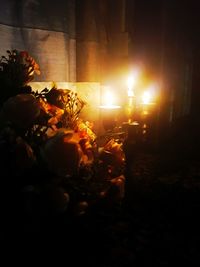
(130, 82)
(146, 98)
(109, 100)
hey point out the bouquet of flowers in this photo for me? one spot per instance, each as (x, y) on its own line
(45, 144)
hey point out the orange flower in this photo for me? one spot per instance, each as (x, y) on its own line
(29, 62)
(85, 131)
(54, 113)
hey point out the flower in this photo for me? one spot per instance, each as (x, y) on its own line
(112, 155)
(24, 156)
(21, 110)
(85, 130)
(62, 104)
(43, 135)
(62, 154)
(29, 63)
(57, 97)
(17, 69)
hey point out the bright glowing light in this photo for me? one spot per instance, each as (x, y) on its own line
(130, 82)
(109, 101)
(146, 98)
(109, 98)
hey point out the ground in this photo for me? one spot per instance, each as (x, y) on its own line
(156, 224)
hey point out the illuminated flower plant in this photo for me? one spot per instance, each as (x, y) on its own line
(43, 131)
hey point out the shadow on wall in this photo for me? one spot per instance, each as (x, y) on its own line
(59, 64)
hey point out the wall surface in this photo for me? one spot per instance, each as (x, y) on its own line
(46, 31)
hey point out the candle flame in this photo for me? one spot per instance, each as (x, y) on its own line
(130, 82)
(146, 98)
(109, 101)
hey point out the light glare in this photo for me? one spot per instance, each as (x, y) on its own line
(146, 98)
